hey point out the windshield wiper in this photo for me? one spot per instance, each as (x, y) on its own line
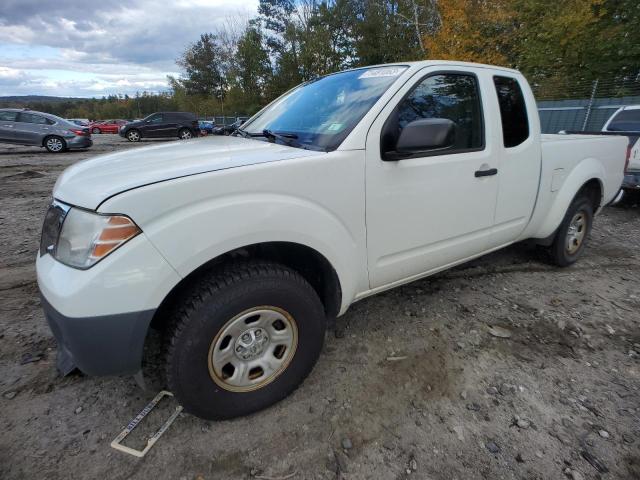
(285, 137)
(244, 134)
(279, 135)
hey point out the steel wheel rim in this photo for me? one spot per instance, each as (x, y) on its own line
(576, 233)
(54, 144)
(186, 135)
(252, 349)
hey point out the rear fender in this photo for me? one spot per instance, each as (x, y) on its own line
(566, 190)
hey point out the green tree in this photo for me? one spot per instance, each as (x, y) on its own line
(205, 71)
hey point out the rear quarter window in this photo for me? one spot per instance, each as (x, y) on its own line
(513, 111)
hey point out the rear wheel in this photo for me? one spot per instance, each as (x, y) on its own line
(133, 135)
(185, 134)
(95, 130)
(55, 144)
(573, 232)
(244, 339)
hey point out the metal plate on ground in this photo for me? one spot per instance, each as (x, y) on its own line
(117, 442)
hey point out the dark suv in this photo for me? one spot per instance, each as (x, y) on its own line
(183, 125)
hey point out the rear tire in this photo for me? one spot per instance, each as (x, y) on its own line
(55, 144)
(133, 136)
(96, 131)
(243, 340)
(573, 233)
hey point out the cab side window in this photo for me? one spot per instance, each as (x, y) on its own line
(513, 111)
(8, 116)
(33, 118)
(450, 96)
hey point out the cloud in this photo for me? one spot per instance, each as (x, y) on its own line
(128, 45)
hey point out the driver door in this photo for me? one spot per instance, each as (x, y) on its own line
(153, 126)
(434, 207)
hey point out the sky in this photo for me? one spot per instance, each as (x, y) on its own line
(101, 47)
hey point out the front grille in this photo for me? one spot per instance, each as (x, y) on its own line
(51, 227)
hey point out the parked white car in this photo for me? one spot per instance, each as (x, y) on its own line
(626, 121)
(240, 248)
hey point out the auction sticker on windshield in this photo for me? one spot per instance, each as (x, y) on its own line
(383, 72)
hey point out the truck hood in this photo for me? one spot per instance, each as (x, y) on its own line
(90, 182)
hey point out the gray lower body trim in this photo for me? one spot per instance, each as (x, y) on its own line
(103, 345)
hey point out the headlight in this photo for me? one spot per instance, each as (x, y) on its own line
(84, 237)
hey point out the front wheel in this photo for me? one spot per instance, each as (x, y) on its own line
(96, 131)
(133, 136)
(573, 232)
(185, 134)
(245, 339)
(55, 144)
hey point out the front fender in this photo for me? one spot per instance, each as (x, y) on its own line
(317, 203)
(248, 220)
(562, 191)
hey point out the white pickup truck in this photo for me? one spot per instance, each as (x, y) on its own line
(240, 248)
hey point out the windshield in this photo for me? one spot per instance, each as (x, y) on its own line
(321, 113)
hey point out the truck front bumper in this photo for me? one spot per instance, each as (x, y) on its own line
(100, 316)
(101, 345)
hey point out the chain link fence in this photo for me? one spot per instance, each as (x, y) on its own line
(586, 106)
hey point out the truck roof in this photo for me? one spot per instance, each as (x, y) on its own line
(453, 63)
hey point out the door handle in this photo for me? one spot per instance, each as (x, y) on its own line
(486, 173)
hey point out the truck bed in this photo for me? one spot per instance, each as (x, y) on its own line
(564, 159)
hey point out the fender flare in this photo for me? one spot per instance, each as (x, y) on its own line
(587, 170)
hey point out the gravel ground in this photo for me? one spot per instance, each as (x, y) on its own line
(411, 383)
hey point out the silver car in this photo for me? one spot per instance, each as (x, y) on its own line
(28, 127)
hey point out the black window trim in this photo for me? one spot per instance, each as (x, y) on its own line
(526, 109)
(391, 156)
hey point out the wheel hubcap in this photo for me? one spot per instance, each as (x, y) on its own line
(576, 233)
(253, 348)
(133, 136)
(54, 144)
(186, 135)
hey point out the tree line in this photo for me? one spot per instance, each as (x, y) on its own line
(560, 46)
(244, 63)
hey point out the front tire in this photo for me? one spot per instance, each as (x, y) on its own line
(245, 339)
(185, 134)
(96, 131)
(55, 144)
(133, 136)
(573, 233)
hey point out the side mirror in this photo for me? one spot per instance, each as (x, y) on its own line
(426, 134)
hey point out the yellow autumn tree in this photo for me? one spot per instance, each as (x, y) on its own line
(473, 31)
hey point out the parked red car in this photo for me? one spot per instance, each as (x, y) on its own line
(106, 126)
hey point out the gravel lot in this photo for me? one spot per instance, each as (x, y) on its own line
(411, 384)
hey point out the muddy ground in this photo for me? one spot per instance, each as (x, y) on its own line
(411, 383)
